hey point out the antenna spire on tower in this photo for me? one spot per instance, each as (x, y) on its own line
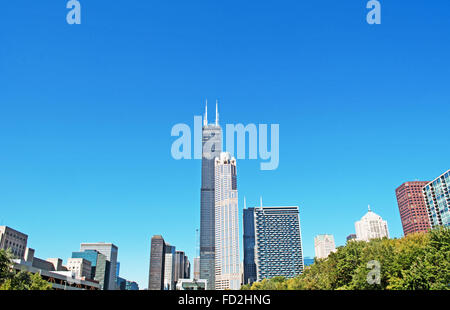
(260, 198)
(205, 121)
(369, 208)
(217, 112)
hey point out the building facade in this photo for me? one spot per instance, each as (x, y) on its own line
(227, 271)
(211, 148)
(278, 245)
(371, 226)
(437, 199)
(100, 266)
(169, 267)
(14, 240)
(80, 266)
(249, 264)
(351, 237)
(412, 207)
(157, 263)
(110, 251)
(324, 245)
(197, 268)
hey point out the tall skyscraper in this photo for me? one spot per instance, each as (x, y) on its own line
(180, 265)
(278, 244)
(437, 199)
(249, 246)
(412, 207)
(371, 226)
(169, 267)
(227, 272)
(111, 252)
(324, 245)
(211, 148)
(157, 260)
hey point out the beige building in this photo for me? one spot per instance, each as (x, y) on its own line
(80, 266)
(324, 245)
(14, 240)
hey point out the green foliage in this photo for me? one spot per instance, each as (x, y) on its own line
(419, 261)
(10, 280)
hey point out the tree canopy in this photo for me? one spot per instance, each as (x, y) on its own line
(419, 261)
(22, 280)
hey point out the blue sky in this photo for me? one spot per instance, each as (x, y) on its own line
(87, 110)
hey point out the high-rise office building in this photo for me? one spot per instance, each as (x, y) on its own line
(278, 245)
(80, 266)
(169, 267)
(180, 265)
(187, 268)
(249, 246)
(227, 272)
(211, 148)
(412, 207)
(371, 226)
(111, 252)
(324, 245)
(157, 266)
(100, 266)
(14, 240)
(437, 199)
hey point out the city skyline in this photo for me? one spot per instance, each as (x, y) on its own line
(87, 112)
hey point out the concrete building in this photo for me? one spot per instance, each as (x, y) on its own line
(100, 266)
(80, 266)
(157, 263)
(278, 245)
(227, 271)
(14, 240)
(437, 200)
(371, 226)
(196, 268)
(324, 245)
(211, 148)
(412, 207)
(111, 252)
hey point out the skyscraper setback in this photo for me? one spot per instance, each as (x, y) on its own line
(211, 148)
(412, 207)
(227, 273)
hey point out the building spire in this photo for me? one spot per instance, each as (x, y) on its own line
(217, 112)
(260, 199)
(245, 203)
(369, 208)
(205, 120)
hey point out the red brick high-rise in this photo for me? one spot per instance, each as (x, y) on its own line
(412, 207)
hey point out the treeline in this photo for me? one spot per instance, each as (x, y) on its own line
(420, 261)
(22, 280)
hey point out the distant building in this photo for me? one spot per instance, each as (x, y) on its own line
(211, 148)
(324, 245)
(278, 246)
(100, 266)
(308, 261)
(132, 286)
(196, 268)
(121, 284)
(80, 266)
(249, 246)
(169, 267)
(437, 199)
(351, 237)
(111, 252)
(192, 285)
(14, 240)
(227, 272)
(412, 207)
(157, 260)
(371, 226)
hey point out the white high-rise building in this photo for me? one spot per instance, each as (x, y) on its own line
(169, 267)
(227, 273)
(371, 226)
(324, 245)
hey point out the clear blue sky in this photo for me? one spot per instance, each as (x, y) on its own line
(86, 113)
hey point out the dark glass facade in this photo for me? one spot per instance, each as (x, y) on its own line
(249, 246)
